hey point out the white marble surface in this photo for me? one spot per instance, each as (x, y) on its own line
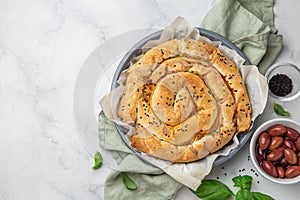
(43, 45)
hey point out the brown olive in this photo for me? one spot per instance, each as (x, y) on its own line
(276, 155)
(289, 144)
(275, 142)
(280, 171)
(292, 171)
(277, 130)
(269, 168)
(298, 143)
(260, 154)
(291, 134)
(284, 162)
(264, 141)
(290, 156)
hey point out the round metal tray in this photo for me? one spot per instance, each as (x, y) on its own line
(136, 51)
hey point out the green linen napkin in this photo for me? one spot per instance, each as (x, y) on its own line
(152, 183)
(249, 24)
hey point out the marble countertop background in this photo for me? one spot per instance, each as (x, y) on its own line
(43, 45)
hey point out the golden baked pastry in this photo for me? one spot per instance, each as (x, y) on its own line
(186, 100)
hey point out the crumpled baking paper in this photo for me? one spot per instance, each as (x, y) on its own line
(191, 174)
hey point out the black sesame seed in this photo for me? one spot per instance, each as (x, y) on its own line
(280, 85)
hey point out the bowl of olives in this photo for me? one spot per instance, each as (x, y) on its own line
(275, 150)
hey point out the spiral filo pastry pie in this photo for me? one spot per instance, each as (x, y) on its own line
(186, 100)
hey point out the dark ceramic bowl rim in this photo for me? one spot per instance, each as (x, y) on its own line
(133, 52)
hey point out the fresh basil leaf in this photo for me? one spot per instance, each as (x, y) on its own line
(213, 190)
(98, 160)
(128, 182)
(279, 110)
(237, 181)
(243, 182)
(260, 196)
(246, 182)
(243, 195)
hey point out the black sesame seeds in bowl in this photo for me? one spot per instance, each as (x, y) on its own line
(284, 81)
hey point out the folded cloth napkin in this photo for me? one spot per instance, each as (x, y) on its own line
(152, 183)
(249, 25)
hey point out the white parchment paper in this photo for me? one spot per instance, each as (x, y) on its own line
(191, 174)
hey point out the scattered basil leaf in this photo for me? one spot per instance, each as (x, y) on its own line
(279, 110)
(243, 194)
(128, 182)
(243, 182)
(213, 190)
(216, 190)
(237, 181)
(260, 196)
(98, 160)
